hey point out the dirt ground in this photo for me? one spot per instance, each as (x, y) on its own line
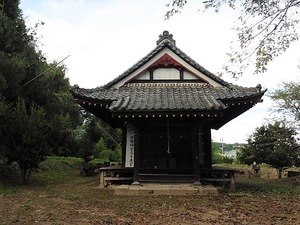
(82, 202)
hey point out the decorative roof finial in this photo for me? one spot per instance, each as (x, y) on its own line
(165, 37)
(258, 87)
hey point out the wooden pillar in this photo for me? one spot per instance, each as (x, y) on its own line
(124, 135)
(207, 147)
(136, 168)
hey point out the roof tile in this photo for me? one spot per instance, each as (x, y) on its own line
(151, 97)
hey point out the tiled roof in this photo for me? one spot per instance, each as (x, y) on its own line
(218, 103)
(169, 96)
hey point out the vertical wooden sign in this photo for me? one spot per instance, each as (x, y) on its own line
(129, 159)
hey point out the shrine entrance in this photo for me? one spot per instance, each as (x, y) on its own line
(166, 148)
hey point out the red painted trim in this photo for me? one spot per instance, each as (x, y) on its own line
(165, 61)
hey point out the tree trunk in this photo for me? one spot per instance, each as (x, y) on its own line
(25, 173)
(279, 172)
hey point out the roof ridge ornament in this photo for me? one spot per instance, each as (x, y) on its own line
(165, 37)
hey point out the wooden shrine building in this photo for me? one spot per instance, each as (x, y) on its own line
(166, 105)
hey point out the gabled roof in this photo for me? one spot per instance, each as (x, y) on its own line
(196, 92)
(166, 41)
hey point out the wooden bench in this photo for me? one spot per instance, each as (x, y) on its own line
(293, 173)
(216, 179)
(115, 173)
(108, 180)
(224, 176)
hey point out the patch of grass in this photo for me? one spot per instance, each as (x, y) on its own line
(65, 159)
(6, 190)
(56, 170)
(284, 186)
(267, 184)
(97, 161)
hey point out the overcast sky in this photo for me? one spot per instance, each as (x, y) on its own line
(106, 37)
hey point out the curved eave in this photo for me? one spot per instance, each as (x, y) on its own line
(235, 108)
(218, 113)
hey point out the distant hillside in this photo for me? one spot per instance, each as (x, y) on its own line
(228, 147)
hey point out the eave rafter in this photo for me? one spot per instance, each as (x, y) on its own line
(93, 103)
(167, 114)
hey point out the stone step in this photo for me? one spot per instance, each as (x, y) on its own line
(166, 178)
(165, 189)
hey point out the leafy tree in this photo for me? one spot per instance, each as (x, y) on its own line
(109, 155)
(25, 74)
(216, 156)
(96, 139)
(287, 99)
(38, 115)
(266, 29)
(97, 129)
(83, 147)
(103, 153)
(100, 146)
(20, 139)
(4, 113)
(274, 144)
(18, 56)
(106, 154)
(52, 92)
(117, 154)
(227, 159)
(25, 135)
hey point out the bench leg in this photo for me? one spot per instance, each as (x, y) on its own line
(232, 183)
(102, 174)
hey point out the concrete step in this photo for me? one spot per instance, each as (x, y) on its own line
(166, 178)
(165, 189)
